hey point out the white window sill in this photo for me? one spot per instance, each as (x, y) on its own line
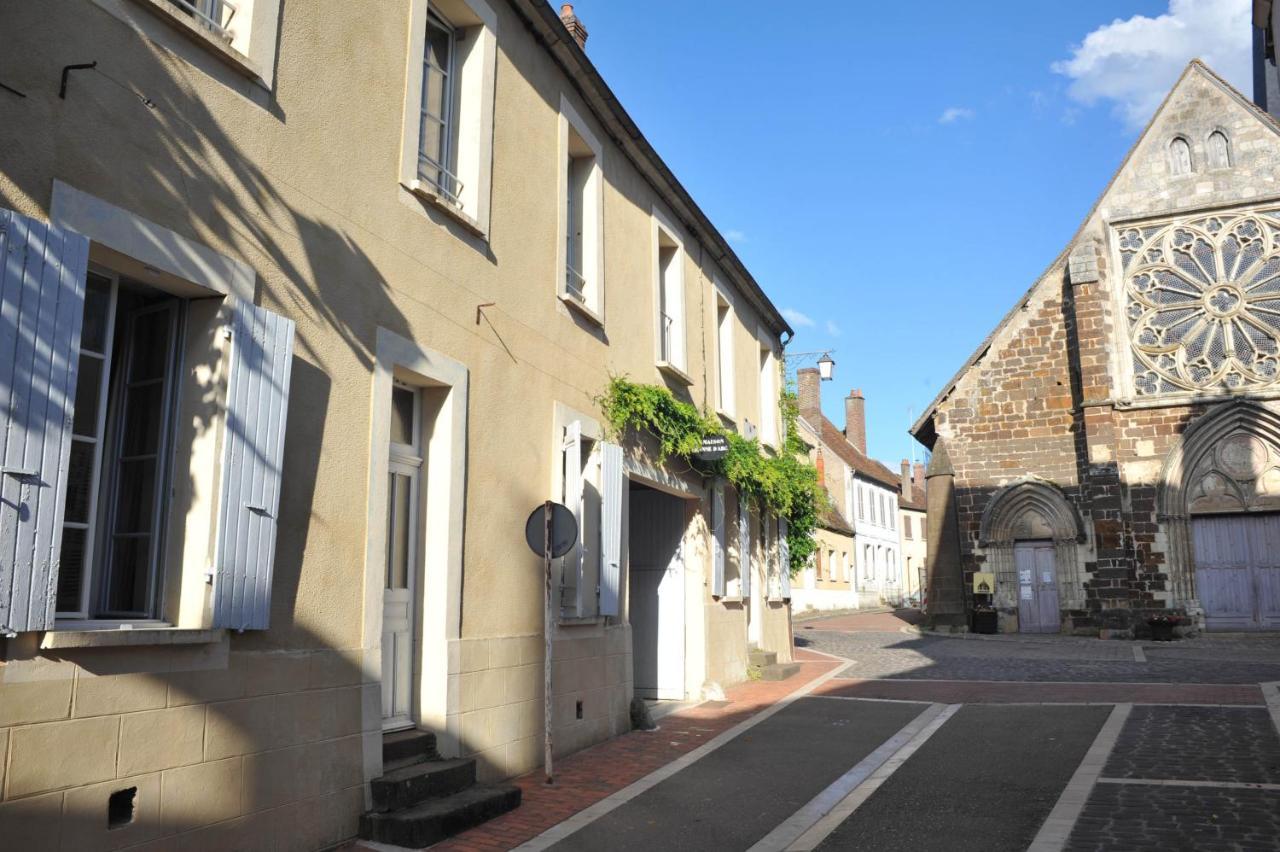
(731, 599)
(728, 418)
(582, 308)
(580, 620)
(428, 192)
(114, 636)
(184, 24)
(676, 373)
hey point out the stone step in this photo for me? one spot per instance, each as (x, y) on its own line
(761, 659)
(409, 746)
(436, 819)
(407, 786)
(778, 671)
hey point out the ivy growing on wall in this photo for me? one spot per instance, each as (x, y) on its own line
(785, 485)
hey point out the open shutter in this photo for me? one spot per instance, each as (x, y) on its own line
(784, 559)
(42, 284)
(571, 564)
(717, 539)
(252, 458)
(744, 545)
(611, 528)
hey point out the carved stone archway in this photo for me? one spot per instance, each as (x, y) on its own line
(1032, 509)
(1227, 462)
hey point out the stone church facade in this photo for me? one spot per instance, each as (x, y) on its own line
(1112, 449)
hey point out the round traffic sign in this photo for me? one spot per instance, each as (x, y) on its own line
(564, 529)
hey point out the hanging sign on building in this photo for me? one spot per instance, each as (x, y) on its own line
(714, 448)
(984, 583)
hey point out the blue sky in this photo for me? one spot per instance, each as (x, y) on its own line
(896, 175)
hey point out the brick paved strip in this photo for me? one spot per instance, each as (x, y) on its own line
(1198, 744)
(1018, 692)
(587, 777)
(1165, 782)
(1125, 817)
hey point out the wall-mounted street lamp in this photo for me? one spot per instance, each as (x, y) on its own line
(826, 364)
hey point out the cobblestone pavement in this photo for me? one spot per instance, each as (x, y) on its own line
(1233, 744)
(1132, 817)
(882, 654)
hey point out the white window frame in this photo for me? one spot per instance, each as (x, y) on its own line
(724, 330)
(586, 603)
(670, 344)
(590, 278)
(474, 60)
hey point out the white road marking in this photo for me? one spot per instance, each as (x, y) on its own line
(1271, 692)
(1139, 655)
(1169, 782)
(590, 814)
(860, 782)
(1053, 835)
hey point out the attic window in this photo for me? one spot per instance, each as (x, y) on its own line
(1219, 150)
(1180, 157)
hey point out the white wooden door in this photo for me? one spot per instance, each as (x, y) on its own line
(1237, 560)
(399, 602)
(656, 594)
(1037, 587)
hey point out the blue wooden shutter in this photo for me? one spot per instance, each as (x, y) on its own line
(784, 558)
(252, 458)
(611, 528)
(717, 539)
(41, 308)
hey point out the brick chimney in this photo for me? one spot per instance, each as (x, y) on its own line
(906, 480)
(821, 464)
(574, 25)
(919, 478)
(855, 420)
(809, 393)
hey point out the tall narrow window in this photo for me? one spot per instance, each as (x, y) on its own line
(861, 514)
(1219, 150)
(1180, 157)
(724, 353)
(438, 131)
(116, 501)
(404, 468)
(581, 284)
(670, 260)
(906, 526)
(768, 397)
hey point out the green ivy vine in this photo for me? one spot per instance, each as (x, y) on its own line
(784, 484)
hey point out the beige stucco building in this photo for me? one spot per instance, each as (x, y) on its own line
(304, 312)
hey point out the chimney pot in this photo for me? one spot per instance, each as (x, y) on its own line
(906, 480)
(919, 478)
(855, 420)
(574, 25)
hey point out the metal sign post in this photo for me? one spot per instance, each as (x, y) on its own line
(548, 625)
(550, 532)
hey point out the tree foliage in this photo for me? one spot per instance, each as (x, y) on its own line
(785, 484)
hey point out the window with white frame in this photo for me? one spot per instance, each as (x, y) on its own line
(733, 555)
(725, 375)
(448, 128)
(858, 487)
(669, 269)
(248, 27)
(868, 566)
(591, 486)
(768, 396)
(582, 188)
(906, 527)
(132, 390)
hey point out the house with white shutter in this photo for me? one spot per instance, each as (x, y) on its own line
(295, 333)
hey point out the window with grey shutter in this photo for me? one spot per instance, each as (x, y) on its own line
(614, 487)
(744, 544)
(717, 539)
(261, 362)
(784, 558)
(42, 283)
(571, 564)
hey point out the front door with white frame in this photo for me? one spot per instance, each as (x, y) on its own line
(399, 607)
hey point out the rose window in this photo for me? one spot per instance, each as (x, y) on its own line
(1203, 303)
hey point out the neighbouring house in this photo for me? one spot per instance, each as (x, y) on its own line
(826, 582)
(1111, 452)
(912, 513)
(864, 492)
(295, 332)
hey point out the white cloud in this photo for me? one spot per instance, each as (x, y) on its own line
(951, 115)
(796, 318)
(833, 329)
(1132, 63)
(733, 235)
